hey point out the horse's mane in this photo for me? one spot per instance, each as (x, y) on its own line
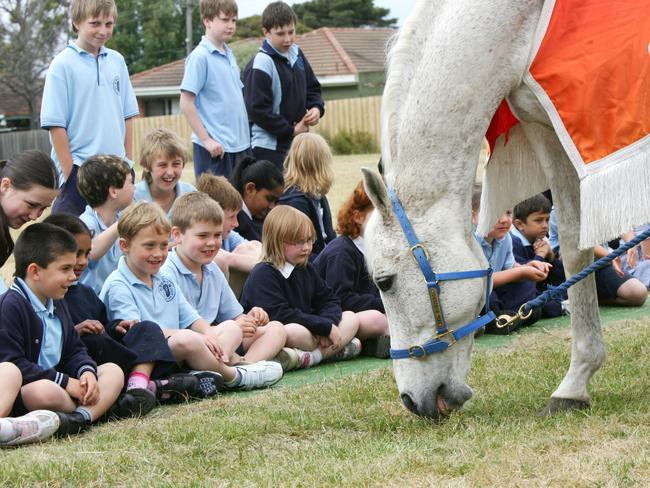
(404, 50)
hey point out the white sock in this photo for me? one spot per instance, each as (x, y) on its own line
(315, 357)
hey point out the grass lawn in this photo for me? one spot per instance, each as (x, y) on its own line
(351, 430)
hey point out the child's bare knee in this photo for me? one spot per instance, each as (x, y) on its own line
(110, 371)
(44, 394)
(276, 329)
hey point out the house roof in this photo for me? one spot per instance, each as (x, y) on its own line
(12, 105)
(332, 52)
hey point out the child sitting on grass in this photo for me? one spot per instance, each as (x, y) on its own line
(162, 158)
(342, 265)
(196, 228)
(34, 426)
(308, 177)
(137, 291)
(38, 336)
(287, 286)
(106, 183)
(140, 349)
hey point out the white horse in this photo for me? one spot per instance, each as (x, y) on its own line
(452, 64)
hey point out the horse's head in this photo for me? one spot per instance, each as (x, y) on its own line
(434, 384)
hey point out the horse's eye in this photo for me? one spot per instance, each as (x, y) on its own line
(384, 283)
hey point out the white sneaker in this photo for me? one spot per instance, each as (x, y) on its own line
(258, 375)
(32, 427)
(288, 358)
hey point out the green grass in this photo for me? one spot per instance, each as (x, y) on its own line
(352, 431)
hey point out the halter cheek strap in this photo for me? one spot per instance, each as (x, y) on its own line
(444, 337)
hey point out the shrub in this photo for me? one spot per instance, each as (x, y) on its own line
(353, 142)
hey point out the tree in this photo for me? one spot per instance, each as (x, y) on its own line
(342, 13)
(30, 34)
(252, 27)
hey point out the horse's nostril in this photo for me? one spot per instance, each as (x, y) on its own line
(408, 403)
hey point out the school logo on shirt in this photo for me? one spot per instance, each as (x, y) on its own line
(167, 289)
(116, 85)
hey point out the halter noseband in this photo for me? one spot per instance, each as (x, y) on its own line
(444, 337)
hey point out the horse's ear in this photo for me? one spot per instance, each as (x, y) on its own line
(376, 190)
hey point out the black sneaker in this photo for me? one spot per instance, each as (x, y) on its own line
(210, 383)
(71, 424)
(136, 402)
(177, 387)
(378, 347)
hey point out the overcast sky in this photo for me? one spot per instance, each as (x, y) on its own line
(398, 8)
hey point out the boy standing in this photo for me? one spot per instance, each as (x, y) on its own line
(106, 183)
(283, 96)
(136, 291)
(37, 334)
(88, 102)
(197, 228)
(211, 94)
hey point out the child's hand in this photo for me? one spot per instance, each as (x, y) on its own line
(90, 387)
(616, 264)
(213, 345)
(300, 128)
(533, 273)
(247, 324)
(214, 148)
(312, 116)
(90, 327)
(542, 248)
(259, 315)
(540, 265)
(75, 390)
(632, 256)
(335, 337)
(124, 326)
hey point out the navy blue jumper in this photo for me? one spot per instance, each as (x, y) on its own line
(303, 298)
(249, 228)
(343, 267)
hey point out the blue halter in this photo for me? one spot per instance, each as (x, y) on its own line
(444, 337)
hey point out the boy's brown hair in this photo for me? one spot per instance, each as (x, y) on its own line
(219, 188)
(359, 202)
(212, 8)
(157, 142)
(98, 174)
(140, 215)
(308, 165)
(81, 10)
(195, 207)
(284, 225)
(278, 14)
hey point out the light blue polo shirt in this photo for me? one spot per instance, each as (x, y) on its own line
(213, 299)
(214, 78)
(142, 192)
(233, 240)
(90, 97)
(52, 342)
(128, 298)
(97, 271)
(499, 253)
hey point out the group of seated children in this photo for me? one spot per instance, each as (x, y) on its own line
(526, 260)
(129, 299)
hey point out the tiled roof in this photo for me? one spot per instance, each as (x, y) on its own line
(330, 51)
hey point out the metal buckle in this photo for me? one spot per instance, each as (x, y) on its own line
(451, 340)
(416, 348)
(424, 250)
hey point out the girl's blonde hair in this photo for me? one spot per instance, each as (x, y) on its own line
(160, 142)
(284, 225)
(308, 166)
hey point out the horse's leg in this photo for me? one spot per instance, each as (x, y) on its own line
(587, 347)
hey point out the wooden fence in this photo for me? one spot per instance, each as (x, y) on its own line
(11, 143)
(352, 114)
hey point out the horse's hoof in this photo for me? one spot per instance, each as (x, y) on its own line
(556, 405)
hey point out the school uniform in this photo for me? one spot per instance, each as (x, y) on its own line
(343, 267)
(98, 270)
(293, 295)
(213, 299)
(127, 297)
(143, 343)
(40, 339)
(318, 211)
(232, 241)
(248, 226)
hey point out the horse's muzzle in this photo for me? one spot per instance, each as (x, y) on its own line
(439, 403)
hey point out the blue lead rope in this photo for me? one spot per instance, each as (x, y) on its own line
(557, 292)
